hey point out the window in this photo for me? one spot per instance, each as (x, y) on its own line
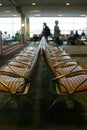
(66, 24)
(10, 25)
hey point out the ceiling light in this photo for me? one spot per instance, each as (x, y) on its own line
(34, 11)
(60, 15)
(7, 11)
(15, 15)
(37, 15)
(33, 3)
(0, 4)
(82, 15)
(67, 3)
(23, 25)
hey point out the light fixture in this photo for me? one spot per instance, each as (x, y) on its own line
(23, 25)
(35, 11)
(0, 4)
(33, 3)
(37, 15)
(82, 15)
(67, 3)
(7, 11)
(14, 15)
(60, 15)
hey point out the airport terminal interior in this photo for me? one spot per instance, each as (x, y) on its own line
(43, 82)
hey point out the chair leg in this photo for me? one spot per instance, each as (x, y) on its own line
(54, 102)
(70, 104)
(4, 103)
(25, 98)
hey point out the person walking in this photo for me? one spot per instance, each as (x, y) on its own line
(46, 31)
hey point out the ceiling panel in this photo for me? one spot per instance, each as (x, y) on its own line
(52, 8)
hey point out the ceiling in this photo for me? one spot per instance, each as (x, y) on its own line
(43, 8)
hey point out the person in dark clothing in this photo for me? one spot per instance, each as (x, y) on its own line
(83, 33)
(76, 35)
(46, 31)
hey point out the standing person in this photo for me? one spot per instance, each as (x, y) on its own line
(46, 31)
(56, 32)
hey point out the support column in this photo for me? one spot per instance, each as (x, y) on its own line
(23, 40)
(27, 29)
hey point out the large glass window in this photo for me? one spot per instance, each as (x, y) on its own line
(66, 24)
(10, 25)
(13, 24)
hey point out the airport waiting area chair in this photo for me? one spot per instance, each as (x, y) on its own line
(69, 77)
(15, 76)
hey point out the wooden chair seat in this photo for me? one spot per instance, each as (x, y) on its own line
(60, 59)
(21, 58)
(31, 55)
(60, 68)
(64, 64)
(12, 84)
(66, 70)
(71, 84)
(19, 64)
(15, 76)
(23, 72)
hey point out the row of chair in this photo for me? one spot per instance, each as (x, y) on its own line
(15, 76)
(69, 77)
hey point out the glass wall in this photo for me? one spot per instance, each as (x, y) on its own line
(13, 24)
(10, 25)
(65, 23)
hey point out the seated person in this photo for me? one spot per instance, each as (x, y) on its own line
(76, 35)
(83, 36)
(71, 38)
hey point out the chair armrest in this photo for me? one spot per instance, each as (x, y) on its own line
(5, 86)
(13, 71)
(55, 52)
(19, 64)
(52, 58)
(25, 63)
(64, 62)
(2, 72)
(63, 54)
(27, 56)
(75, 73)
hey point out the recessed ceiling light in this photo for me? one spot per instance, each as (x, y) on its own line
(82, 15)
(35, 11)
(60, 15)
(0, 4)
(7, 11)
(37, 15)
(33, 3)
(14, 15)
(67, 3)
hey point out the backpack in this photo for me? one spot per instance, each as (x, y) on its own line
(47, 31)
